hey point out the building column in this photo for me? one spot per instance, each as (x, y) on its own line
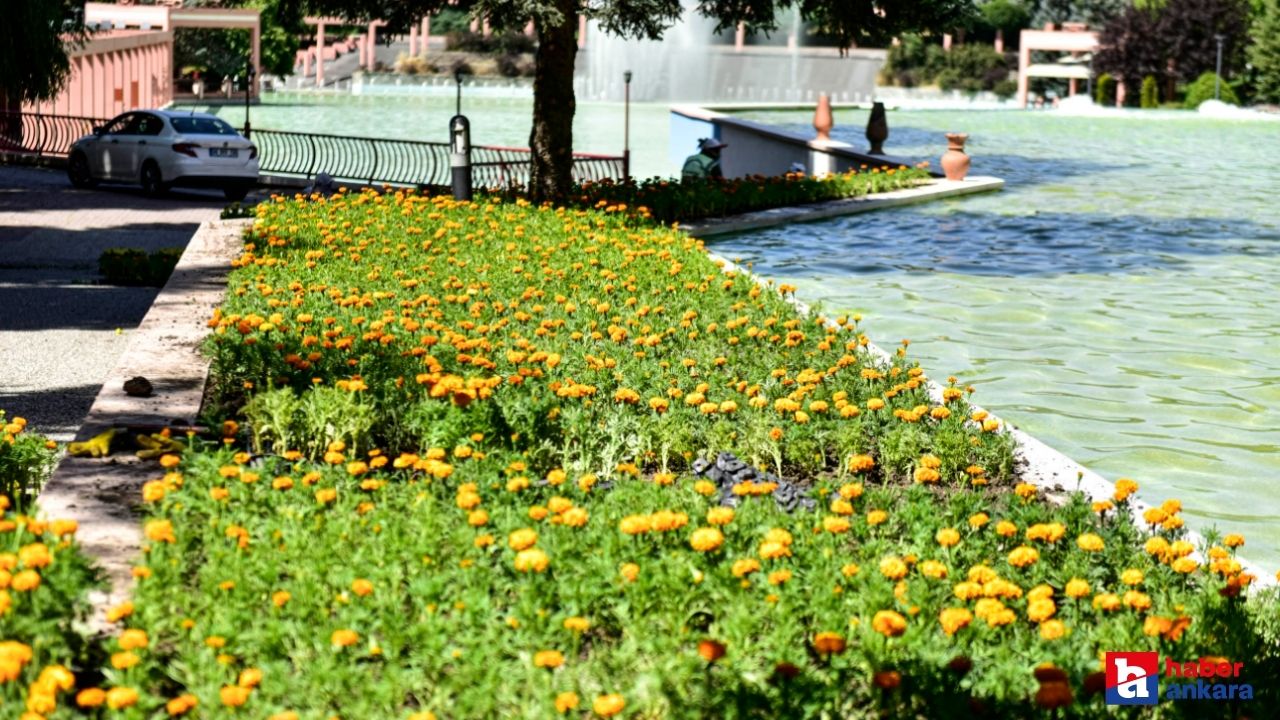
(426, 32)
(413, 40)
(256, 59)
(582, 31)
(319, 55)
(1120, 92)
(371, 59)
(1024, 61)
(739, 37)
(1072, 87)
(999, 45)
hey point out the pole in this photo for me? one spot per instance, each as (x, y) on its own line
(1217, 71)
(460, 151)
(626, 126)
(248, 86)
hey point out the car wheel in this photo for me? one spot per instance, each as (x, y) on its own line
(235, 193)
(152, 183)
(78, 171)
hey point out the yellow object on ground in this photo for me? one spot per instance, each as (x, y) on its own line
(98, 446)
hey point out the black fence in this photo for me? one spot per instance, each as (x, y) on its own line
(343, 158)
(42, 135)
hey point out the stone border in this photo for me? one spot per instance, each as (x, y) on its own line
(103, 494)
(1043, 466)
(932, 190)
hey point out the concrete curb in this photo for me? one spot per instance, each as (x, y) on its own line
(933, 190)
(103, 494)
(1041, 465)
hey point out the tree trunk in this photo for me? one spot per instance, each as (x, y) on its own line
(551, 140)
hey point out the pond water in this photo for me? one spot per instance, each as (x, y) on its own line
(1118, 299)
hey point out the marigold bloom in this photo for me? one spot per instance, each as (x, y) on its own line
(577, 624)
(608, 705)
(979, 520)
(954, 619)
(1052, 630)
(1090, 542)
(720, 515)
(159, 531)
(933, 569)
(1184, 565)
(635, 524)
(549, 659)
(1132, 576)
(1233, 540)
(1077, 588)
(947, 537)
(889, 623)
(876, 517)
(893, 567)
(836, 525)
(706, 539)
(1040, 610)
(233, 695)
(133, 639)
(1004, 528)
(1023, 556)
(119, 698)
(91, 697)
(522, 539)
(575, 517)
(532, 560)
(344, 638)
(182, 704)
(861, 463)
(778, 577)
(362, 587)
(745, 566)
(567, 701)
(829, 643)
(629, 571)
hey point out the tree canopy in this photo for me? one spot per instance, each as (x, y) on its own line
(849, 22)
(33, 60)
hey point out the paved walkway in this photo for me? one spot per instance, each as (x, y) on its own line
(61, 331)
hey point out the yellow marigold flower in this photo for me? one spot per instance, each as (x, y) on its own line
(875, 404)
(979, 520)
(927, 475)
(835, 525)
(250, 678)
(1023, 556)
(876, 517)
(556, 477)
(850, 569)
(778, 577)
(1132, 576)
(133, 639)
(1090, 542)
(629, 571)
(233, 695)
(1048, 532)
(25, 581)
(893, 567)
(1157, 546)
(538, 512)
(549, 659)
(159, 531)
(933, 569)
(1077, 588)
(326, 495)
(483, 541)
(1025, 491)
(772, 550)
(1155, 626)
(841, 507)
(522, 539)
(954, 619)
(1004, 528)
(124, 660)
(1040, 610)
(889, 623)
(666, 520)
(91, 697)
(575, 517)
(635, 524)
(720, 515)
(344, 638)
(1233, 540)
(1184, 565)
(968, 590)
(1137, 600)
(1171, 506)
(119, 698)
(567, 701)
(1124, 488)
(280, 598)
(861, 463)
(477, 518)
(1154, 516)
(1052, 630)
(532, 560)
(577, 624)
(559, 504)
(362, 587)
(829, 643)
(706, 539)
(704, 487)
(745, 566)
(851, 491)
(947, 537)
(1181, 548)
(608, 705)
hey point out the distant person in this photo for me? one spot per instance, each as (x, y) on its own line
(706, 163)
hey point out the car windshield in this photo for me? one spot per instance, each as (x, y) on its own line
(201, 126)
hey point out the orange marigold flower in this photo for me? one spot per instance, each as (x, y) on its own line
(549, 659)
(608, 705)
(706, 539)
(889, 623)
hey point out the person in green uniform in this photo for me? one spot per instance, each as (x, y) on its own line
(706, 163)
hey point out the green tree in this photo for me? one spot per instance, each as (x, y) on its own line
(865, 22)
(33, 59)
(1150, 97)
(1264, 54)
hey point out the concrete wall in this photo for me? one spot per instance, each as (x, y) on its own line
(116, 71)
(759, 149)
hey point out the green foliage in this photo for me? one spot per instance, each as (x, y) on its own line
(1104, 90)
(26, 459)
(696, 198)
(969, 67)
(1150, 98)
(1264, 53)
(33, 57)
(132, 266)
(1009, 16)
(1202, 89)
(236, 210)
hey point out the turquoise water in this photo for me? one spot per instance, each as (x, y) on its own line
(1118, 299)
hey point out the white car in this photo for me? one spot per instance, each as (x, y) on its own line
(160, 149)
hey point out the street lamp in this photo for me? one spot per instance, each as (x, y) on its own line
(460, 147)
(626, 126)
(1217, 71)
(250, 71)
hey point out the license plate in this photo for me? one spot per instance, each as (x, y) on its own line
(224, 152)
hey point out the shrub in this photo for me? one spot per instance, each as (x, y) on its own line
(1104, 90)
(1202, 90)
(133, 266)
(26, 459)
(509, 66)
(413, 65)
(1005, 89)
(1150, 98)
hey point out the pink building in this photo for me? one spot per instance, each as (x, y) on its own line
(117, 70)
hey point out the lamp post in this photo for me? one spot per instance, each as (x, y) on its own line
(626, 125)
(1217, 70)
(460, 147)
(250, 71)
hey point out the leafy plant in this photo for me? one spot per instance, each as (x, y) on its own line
(1150, 98)
(1203, 89)
(133, 266)
(26, 460)
(1104, 90)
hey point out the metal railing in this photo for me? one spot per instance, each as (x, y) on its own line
(42, 135)
(343, 158)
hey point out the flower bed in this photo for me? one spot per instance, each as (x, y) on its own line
(669, 201)
(461, 483)
(44, 584)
